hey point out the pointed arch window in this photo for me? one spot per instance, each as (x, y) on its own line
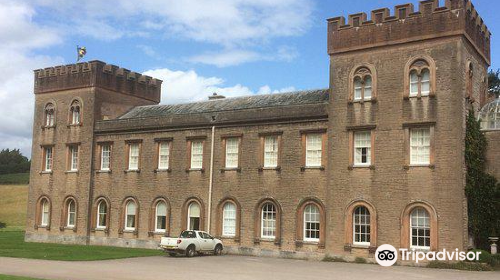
(194, 214)
(45, 213)
(75, 113)
(420, 78)
(50, 115)
(130, 215)
(362, 85)
(71, 214)
(161, 217)
(102, 214)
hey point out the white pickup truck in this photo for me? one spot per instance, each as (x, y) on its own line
(190, 242)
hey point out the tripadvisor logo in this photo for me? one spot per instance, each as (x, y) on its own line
(387, 255)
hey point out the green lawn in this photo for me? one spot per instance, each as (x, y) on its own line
(12, 245)
(15, 179)
(10, 277)
(13, 206)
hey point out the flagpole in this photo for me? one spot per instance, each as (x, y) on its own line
(77, 53)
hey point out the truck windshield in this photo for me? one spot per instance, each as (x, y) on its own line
(188, 234)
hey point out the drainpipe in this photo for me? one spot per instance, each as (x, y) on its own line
(211, 179)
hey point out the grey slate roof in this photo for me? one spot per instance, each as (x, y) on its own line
(232, 104)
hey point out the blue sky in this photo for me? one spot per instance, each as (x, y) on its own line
(234, 47)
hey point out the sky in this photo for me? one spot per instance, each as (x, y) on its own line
(197, 47)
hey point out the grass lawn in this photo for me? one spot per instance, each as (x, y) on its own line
(12, 245)
(15, 179)
(13, 203)
(10, 277)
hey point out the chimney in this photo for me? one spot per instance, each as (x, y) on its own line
(215, 96)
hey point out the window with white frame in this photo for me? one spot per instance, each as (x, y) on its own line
(361, 226)
(45, 215)
(268, 221)
(73, 153)
(271, 151)
(102, 213)
(314, 144)
(161, 217)
(194, 214)
(425, 82)
(311, 223)
(130, 212)
(420, 79)
(362, 84)
(232, 152)
(362, 148)
(163, 155)
(71, 213)
(48, 159)
(229, 219)
(75, 112)
(49, 115)
(105, 156)
(420, 146)
(197, 154)
(420, 229)
(413, 83)
(133, 157)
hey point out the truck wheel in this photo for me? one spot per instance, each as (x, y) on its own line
(190, 251)
(218, 250)
(172, 254)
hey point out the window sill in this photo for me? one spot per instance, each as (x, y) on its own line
(162, 170)
(73, 228)
(71, 172)
(75, 125)
(352, 167)
(277, 168)
(46, 227)
(420, 249)
(48, 127)
(45, 172)
(304, 168)
(103, 171)
(371, 100)
(237, 169)
(360, 246)
(132, 171)
(411, 166)
(156, 233)
(419, 96)
(202, 170)
(103, 229)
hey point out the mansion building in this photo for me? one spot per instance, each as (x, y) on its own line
(377, 158)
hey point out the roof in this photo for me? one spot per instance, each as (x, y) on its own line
(232, 104)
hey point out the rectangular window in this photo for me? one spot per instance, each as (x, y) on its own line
(163, 155)
(362, 148)
(133, 158)
(197, 154)
(232, 151)
(314, 144)
(420, 145)
(47, 158)
(73, 154)
(271, 151)
(105, 157)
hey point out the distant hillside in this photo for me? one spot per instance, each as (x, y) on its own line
(15, 179)
(13, 206)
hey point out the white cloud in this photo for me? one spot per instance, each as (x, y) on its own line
(224, 59)
(186, 86)
(20, 36)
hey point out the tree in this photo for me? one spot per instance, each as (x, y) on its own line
(494, 82)
(12, 161)
(482, 189)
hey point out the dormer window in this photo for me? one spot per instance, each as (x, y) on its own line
(50, 115)
(75, 113)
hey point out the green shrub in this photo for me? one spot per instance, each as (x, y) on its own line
(359, 260)
(471, 266)
(329, 258)
(484, 257)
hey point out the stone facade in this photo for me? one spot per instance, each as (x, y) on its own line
(117, 110)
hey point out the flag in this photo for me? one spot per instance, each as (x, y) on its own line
(82, 51)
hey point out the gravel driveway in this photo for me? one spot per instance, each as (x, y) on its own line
(223, 267)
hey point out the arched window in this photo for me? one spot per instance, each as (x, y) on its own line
(45, 213)
(470, 83)
(311, 223)
(75, 110)
(420, 229)
(420, 77)
(194, 214)
(50, 115)
(161, 217)
(268, 221)
(130, 215)
(102, 214)
(490, 115)
(229, 219)
(362, 84)
(71, 213)
(361, 226)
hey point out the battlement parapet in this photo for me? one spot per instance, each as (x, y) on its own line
(97, 74)
(457, 17)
